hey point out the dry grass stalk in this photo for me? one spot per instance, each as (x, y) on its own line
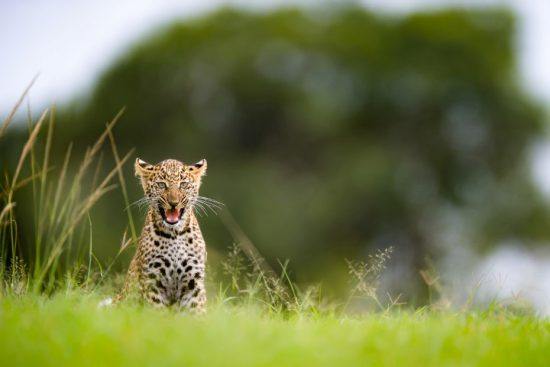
(84, 208)
(26, 149)
(10, 116)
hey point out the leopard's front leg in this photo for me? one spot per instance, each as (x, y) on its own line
(153, 290)
(193, 295)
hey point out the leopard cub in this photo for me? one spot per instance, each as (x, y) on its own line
(169, 264)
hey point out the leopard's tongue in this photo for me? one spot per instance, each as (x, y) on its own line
(172, 215)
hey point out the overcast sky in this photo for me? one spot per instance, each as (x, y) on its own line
(71, 42)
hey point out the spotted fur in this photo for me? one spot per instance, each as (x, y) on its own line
(169, 265)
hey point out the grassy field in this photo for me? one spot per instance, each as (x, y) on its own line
(72, 330)
(49, 296)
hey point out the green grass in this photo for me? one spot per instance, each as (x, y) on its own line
(51, 283)
(72, 330)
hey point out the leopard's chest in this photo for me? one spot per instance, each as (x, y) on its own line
(172, 264)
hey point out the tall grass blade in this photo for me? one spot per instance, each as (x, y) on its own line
(123, 188)
(10, 116)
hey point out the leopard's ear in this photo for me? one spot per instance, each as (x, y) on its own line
(198, 169)
(143, 169)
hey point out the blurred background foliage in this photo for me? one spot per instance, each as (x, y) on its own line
(329, 133)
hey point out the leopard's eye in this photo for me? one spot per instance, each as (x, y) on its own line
(161, 185)
(182, 185)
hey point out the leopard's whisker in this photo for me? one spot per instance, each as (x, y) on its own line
(201, 207)
(210, 206)
(209, 200)
(161, 201)
(199, 210)
(140, 203)
(213, 209)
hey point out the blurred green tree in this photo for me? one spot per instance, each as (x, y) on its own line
(331, 132)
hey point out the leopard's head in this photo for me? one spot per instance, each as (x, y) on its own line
(171, 188)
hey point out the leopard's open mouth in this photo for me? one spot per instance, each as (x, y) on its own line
(171, 216)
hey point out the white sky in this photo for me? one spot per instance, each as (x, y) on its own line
(71, 42)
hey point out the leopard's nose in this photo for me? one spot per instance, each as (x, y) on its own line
(172, 199)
